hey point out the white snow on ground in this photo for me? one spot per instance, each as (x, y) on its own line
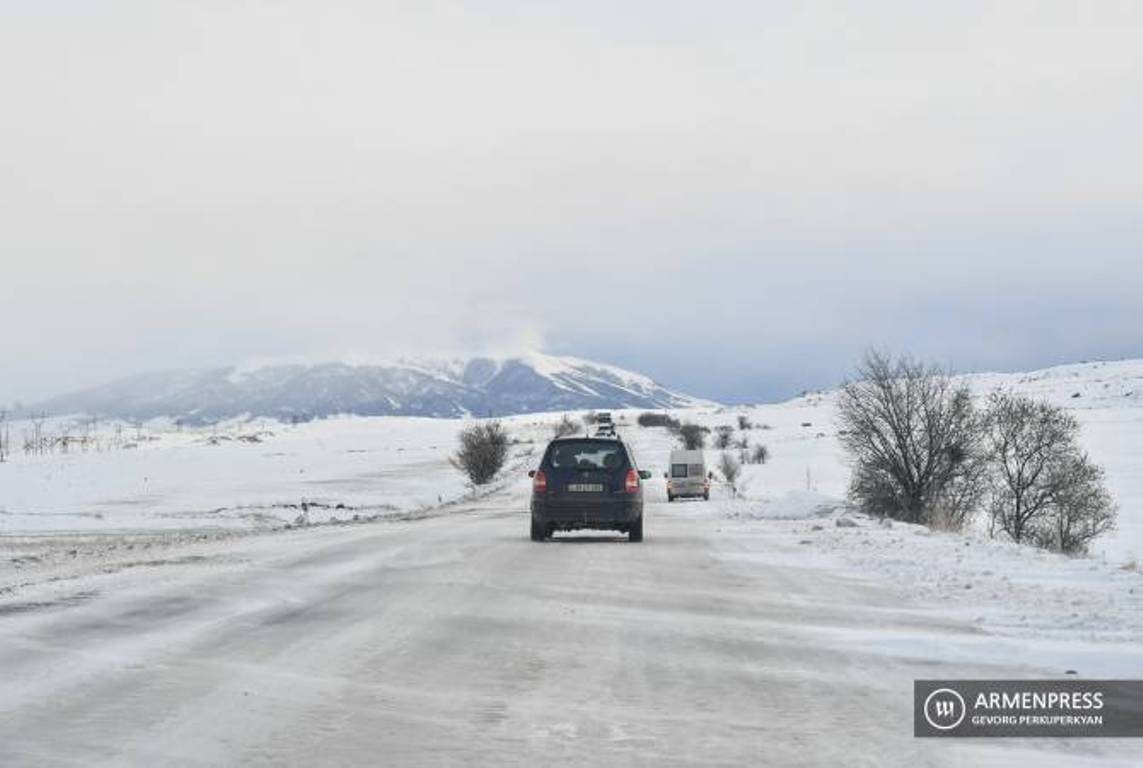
(260, 474)
(180, 486)
(198, 518)
(1031, 606)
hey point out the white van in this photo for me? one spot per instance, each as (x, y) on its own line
(687, 475)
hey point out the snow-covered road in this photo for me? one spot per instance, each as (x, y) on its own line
(456, 641)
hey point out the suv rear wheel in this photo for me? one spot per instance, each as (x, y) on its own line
(538, 532)
(635, 532)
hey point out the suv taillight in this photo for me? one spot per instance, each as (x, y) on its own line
(632, 483)
(539, 482)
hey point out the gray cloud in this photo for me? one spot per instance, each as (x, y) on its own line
(770, 187)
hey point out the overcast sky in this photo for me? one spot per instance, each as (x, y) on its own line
(733, 197)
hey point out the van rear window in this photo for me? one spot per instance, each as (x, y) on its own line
(678, 470)
(587, 454)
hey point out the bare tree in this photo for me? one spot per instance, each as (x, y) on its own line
(1040, 484)
(483, 451)
(912, 437)
(730, 469)
(692, 436)
(1083, 510)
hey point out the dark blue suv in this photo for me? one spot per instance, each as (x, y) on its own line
(586, 482)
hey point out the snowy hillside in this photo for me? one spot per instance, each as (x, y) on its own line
(1081, 386)
(482, 386)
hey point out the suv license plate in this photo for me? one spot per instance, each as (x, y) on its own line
(585, 487)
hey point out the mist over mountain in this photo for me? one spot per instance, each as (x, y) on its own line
(480, 386)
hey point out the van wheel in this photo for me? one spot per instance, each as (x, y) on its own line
(538, 532)
(706, 496)
(670, 498)
(635, 532)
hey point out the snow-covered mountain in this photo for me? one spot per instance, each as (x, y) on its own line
(444, 388)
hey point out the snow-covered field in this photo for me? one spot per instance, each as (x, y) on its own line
(258, 474)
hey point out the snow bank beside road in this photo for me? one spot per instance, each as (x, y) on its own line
(793, 505)
(998, 586)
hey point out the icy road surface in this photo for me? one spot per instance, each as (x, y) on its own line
(457, 641)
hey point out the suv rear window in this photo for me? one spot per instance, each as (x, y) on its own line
(587, 454)
(678, 470)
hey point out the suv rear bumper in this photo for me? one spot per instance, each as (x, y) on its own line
(602, 514)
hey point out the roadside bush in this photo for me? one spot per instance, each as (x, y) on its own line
(760, 455)
(912, 436)
(1041, 487)
(744, 423)
(692, 436)
(723, 436)
(651, 419)
(483, 451)
(730, 469)
(564, 427)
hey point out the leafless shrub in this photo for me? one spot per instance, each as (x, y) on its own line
(912, 437)
(744, 423)
(730, 469)
(692, 436)
(723, 436)
(1041, 486)
(483, 450)
(564, 427)
(651, 419)
(3, 435)
(760, 455)
(37, 441)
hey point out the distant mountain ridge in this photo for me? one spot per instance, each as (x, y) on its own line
(480, 386)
